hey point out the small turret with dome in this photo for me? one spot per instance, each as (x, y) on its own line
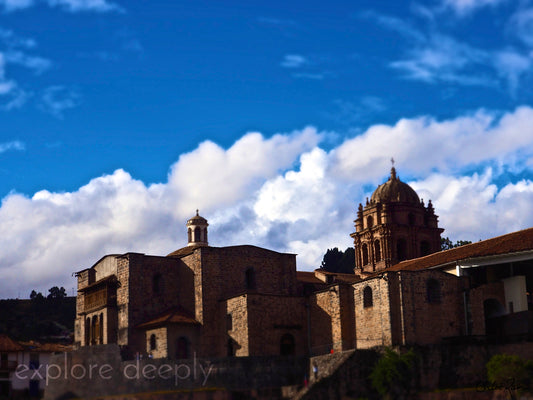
(197, 231)
(394, 225)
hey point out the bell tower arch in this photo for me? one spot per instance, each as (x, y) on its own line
(197, 231)
(393, 226)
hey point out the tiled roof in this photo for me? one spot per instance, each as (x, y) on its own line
(173, 316)
(184, 251)
(339, 277)
(307, 277)
(45, 347)
(9, 345)
(510, 243)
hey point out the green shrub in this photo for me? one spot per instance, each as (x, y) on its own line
(393, 374)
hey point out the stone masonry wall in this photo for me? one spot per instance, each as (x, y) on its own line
(270, 317)
(373, 324)
(426, 322)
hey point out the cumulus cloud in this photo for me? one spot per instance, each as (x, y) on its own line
(284, 192)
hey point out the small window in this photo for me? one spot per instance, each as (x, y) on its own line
(401, 249)
(189, 235)
(425, 248)
(377, 251)
(368, 301)
(287, 345)
(250, 278)
(369, 222)
(411, 218)
(153, 342)
(157, 284)
(365, 254)
(433, 291)
(197, 233)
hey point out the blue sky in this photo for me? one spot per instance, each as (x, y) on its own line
(119, 119)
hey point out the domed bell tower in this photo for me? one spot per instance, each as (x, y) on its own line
(393, 226)
(197, 231)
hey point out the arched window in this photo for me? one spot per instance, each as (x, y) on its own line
(95, 330)
(87, 331)
(433, 291)
(182, 348)
(153, 342)
(401, 249)
(368, 301)
(377, 250)
(205, 235)
(425, 248)
(364, 249)
(369, 222)
(101, 329)
(197, 233)
(286, 345)
(189, 235)
(250, 278)
(157, 284)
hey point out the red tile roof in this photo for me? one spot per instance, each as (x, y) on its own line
(510, 243)
(45, 347)
(9, 345)
(174, 316)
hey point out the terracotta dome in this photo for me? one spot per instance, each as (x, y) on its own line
(394, 190)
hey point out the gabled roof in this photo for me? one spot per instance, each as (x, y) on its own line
(514, 242)
(337, 276)
(176, 315)
(9, 345)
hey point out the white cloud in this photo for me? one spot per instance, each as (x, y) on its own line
(14, 145)
(282, 192)
(293, 61)
(57, 99)
(521, 25)
(464, 7)
(12, 5)
(68, 5)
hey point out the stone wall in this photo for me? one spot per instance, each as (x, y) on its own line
(373, 323)
(427, 322)
(112, 376)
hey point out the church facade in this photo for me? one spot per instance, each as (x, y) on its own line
(249, 301)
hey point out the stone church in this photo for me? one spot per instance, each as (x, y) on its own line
(249, 301)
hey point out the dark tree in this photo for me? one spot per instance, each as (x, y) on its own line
(57, 293)
(338, 261)
(446, 243)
